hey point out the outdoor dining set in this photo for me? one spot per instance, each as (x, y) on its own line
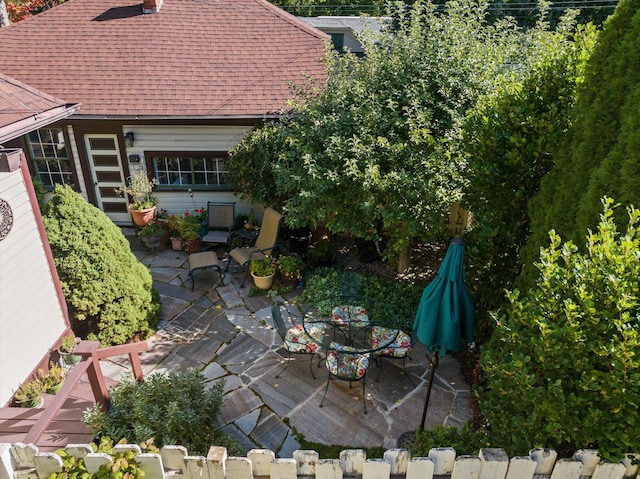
(347, 339)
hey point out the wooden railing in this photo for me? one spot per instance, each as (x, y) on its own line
(90, 364)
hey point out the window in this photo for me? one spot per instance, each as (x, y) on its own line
(49, 155)
(337, 39)
(192, 170)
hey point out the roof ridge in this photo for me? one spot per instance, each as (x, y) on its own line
(286, 16)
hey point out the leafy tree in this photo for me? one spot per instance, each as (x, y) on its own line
(174, 408)
(371, 152)
(509, 139)
(562, 368)
(20, 9)
(108, 291)
(602, 154)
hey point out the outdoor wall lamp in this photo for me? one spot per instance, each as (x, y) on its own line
(128, 139)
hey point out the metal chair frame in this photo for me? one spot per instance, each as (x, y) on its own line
(278, 321)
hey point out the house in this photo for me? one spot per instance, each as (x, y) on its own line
(345, 32)
(33, 310)
(165, 86)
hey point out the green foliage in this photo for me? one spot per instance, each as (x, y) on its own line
(509, 139)
(108, 291)
(291, 266)
(69, 343)
(38, 188)
(174, 408)
(562, 369)
(380, 296)
(262, 267)
(30, 391)
(375, 147)
(465, 440)
(140, 189)
(121, 466)
(602, 155)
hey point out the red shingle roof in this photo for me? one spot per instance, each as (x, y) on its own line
(194, 58)
(24, 109)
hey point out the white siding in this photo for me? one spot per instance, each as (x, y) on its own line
(188, 138)
(31, 318)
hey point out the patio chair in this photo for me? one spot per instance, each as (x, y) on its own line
(346, 364)
(265, 245)
(295, 339)
(221, 218)
(400, 348)
(204, 260)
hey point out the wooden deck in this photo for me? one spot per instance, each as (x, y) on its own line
(66, 428)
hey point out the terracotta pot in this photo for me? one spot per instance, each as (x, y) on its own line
(194, 246)
(142, 217)
(263, 282)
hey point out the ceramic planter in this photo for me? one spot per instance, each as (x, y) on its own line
(176, 244)
(34, 403)
(54, 389)
(69, 358)
(263, 282)
(142, 217)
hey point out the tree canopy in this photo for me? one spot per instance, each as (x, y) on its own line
(602, 154)
(374, 151)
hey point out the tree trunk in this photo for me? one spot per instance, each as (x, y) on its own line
(404, 259)
(4, 17)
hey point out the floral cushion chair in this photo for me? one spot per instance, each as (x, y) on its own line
(400, 348)
(343, 315)
(295, 339)
(344, 363)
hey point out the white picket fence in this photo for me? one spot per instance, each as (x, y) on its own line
(22, 461)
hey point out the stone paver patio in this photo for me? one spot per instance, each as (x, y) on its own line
(226, 334)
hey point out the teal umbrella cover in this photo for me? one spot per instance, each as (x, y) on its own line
(445, 313)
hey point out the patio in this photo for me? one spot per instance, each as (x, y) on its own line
(227, 334)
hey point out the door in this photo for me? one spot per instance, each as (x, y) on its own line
(106, 169)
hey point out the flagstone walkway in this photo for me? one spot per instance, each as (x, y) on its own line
(226, 334)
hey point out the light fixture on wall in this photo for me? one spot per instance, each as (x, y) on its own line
(128, 139)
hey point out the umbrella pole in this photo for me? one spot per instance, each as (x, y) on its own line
(433, 360)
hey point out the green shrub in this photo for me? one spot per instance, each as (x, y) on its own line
(108, 291)
(562, 369)
(465, 440)
(174, 408)
(602, 154)
(380, 295)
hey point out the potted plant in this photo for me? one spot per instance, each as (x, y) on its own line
(53, 379)
(67, 348)
(29, 393)
(262, 272)
(291, 268)
(152, 234)
(188, 229)
(140, 189)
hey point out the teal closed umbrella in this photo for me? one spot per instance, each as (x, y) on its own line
(445, 313)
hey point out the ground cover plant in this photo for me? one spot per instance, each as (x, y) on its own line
(392, 303)
(108, 291)
(173, 408)
(562, 369)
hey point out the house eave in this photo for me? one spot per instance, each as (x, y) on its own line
(38, 120)
(125, 118)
